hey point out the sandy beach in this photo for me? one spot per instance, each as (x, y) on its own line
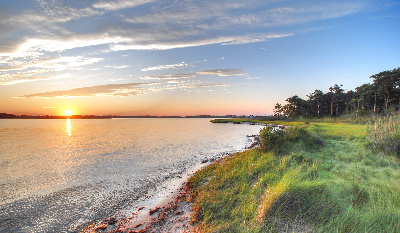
(171, 214)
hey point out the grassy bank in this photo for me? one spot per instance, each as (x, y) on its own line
(320, 177)
(255, 121)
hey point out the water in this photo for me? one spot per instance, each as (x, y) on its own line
(62, 175)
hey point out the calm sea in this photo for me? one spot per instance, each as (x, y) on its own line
(61, 175)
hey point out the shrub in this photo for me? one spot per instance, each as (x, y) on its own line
(281, 141)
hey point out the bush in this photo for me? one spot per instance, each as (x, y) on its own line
(281, 141)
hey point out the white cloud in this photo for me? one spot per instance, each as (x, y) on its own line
(171, 76)
(24, 71)
(35, 47)
(117, 5)
(218, 72)
(118, 67)
(255, 38)
(37, 38)
(253, 77)
(166, 67)
(222, 72)
(212, 85)
(224, 40)
(158, 26)
(27, 77)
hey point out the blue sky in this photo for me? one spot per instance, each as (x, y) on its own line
(142, 57)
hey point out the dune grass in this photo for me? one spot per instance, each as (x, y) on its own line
(318, 177)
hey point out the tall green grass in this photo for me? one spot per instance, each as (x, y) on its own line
(316, 177)
(383, 134)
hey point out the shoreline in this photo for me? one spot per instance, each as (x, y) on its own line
(168, 211)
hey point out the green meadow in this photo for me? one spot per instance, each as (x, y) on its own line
(312, 177)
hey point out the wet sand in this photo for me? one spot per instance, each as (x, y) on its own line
(169, 214)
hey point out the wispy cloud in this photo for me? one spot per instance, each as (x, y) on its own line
(21, 70)
(222, 72)
(223, 40)
(157, 25)
(253, 77)
(217, 72)
(171, 76)
(212, 85)
(128, 89)
(27, 77)
(118, 67)
(35, 39)
(166, 67)
(120, 90)
(117, 5)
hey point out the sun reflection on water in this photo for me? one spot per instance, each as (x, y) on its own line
(69, 127)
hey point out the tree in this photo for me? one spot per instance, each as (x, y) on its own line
(364, 97)
(385, 83)
(335, 94)
(316, 99)
(383, 93)
(278, 109)
(295, 106)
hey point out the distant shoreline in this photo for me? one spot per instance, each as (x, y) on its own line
(12, 116)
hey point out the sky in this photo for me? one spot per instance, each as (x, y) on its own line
(188, 57)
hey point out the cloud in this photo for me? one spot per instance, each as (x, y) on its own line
(254, 38)
(166, 67)
(120, 90)
(117, 5)
(36, 47)
(224, 40)
(222, 72)
(218, 72)
(171, 76)
(34, 38)
(118, 67)
(128, 89)
(253, 77)
(62, 25)
(20, 70)
(213, 85)
(11, 79)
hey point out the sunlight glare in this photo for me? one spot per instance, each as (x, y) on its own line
(68, 112)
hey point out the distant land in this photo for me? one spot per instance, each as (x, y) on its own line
(12, 116)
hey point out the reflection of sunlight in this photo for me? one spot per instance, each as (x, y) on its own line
(69, 127)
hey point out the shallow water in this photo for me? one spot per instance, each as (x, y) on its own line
(61, 175)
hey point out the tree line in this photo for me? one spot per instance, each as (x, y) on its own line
(382, 95)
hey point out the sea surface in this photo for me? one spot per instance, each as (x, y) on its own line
(63, 175)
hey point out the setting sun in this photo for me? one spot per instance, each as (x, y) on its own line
(68, 112)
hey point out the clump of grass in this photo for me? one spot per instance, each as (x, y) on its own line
(383, 134)
(281, 141)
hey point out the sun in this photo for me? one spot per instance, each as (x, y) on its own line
(68, 112)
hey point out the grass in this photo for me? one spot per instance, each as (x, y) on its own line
(239, 120)
(383, 134)
(321, 177)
